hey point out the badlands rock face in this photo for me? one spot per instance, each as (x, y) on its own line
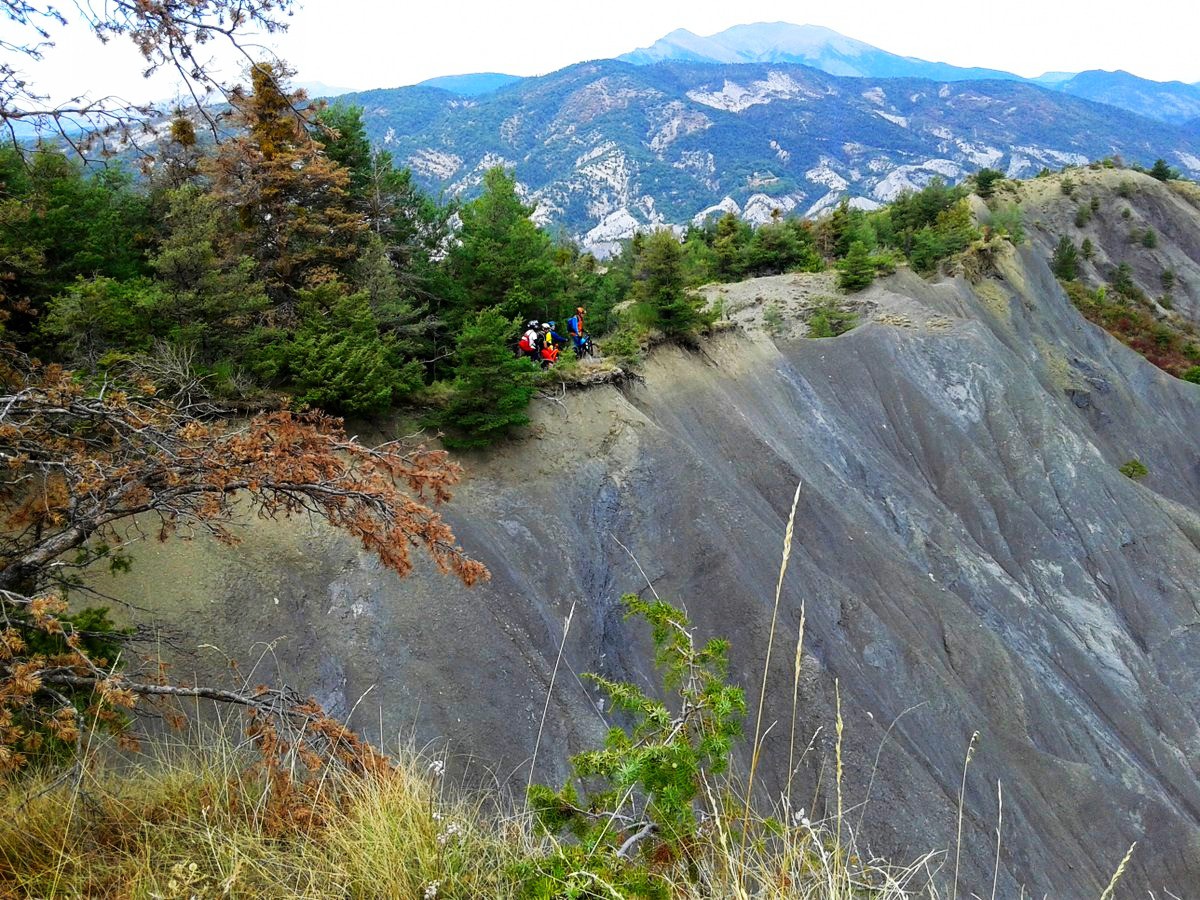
(968, 558)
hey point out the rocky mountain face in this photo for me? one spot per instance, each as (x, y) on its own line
(605, 148)
(968, 558)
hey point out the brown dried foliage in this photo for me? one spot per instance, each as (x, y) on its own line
(83, 471)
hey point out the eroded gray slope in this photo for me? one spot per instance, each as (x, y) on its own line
(969, 556)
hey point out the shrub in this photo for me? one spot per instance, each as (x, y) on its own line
(492, 387)
(659, 759)
(1086, 249)
(1125, 189)
(1065, 261)
(773, 319)
(1094, 206)
(1149, 239)
(1068, 187)
(339, 362)
(986, 181)
(1127, 214)
(624, 346)
(1134, 469)
(1168, 279)
(1192, 375)
(1162, 171)
(856, 271)
(829, 321)
(1007, 220)
(1083, 215)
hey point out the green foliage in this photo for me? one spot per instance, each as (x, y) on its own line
(212, 300)
(986, 181)
(1087, 250)
(1067, 186)
(1162, 171)
(660, 287)
(341, 130)
(1009, 221)
(1083, 215)
(1094, 205)
(501, 258)
(1122, 282)
(1192, 375)
(856, 271)
(339, 362)
(773, 319)
(828, 320)
(655, 765)
(1125, 189)
(1065, 261)
(59, 223)
(96, 316)
(492, 387)
(624, 346)
(1134, 469)
(1149, 239)
(1167, 277)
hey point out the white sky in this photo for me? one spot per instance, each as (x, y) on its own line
(376, 43)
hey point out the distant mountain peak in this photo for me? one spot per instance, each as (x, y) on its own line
(810, 45)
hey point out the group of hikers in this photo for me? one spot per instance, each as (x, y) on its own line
(541, 341)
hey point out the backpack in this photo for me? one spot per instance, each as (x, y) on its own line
(573, 325)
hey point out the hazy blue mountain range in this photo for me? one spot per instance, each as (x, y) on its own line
(474, 85)
(1168, 101)
(603, 148)
(836, 54)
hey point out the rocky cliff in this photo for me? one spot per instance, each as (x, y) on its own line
(967, 552)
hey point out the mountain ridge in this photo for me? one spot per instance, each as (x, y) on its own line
(607, 147)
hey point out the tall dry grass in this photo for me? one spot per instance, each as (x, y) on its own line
(196, 818)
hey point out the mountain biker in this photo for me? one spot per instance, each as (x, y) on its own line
(576, 329)
(531, 341)
(553, 336)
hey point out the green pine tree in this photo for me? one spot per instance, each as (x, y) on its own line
(856, 271)
(501, 255)
(1065, 261)
(659, 284)
(492, 387)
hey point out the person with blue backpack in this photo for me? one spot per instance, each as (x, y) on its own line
(575, 328)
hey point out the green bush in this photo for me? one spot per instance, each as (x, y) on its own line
(624, 346)
(986, 181)
(1008, 220)
(1134, 469)
(659, 760)
(1065, 261)
(773, 319)
(856, 271)
(492, 387)
(1192, 375)
(340, 363)
(828, 321)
